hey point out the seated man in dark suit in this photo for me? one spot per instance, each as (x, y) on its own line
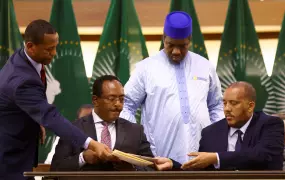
(105, 126)
(244, 140)
(282, 116)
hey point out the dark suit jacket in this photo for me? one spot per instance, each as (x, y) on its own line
(262, 147)
(130, 138)
(23, 106)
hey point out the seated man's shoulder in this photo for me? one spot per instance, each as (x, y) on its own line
(268, 119)
(128, 123)
(215, 127)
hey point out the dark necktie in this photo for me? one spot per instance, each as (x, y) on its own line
(43, 75)
(43, 78)
(239, 140)
(105, 135)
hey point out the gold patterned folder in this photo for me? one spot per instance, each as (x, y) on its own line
(133, 159)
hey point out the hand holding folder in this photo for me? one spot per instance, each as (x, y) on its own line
(134, 159)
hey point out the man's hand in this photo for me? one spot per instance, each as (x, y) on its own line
(90, 157)
(101, 151)
(42, 135)
(202, 160)
(162, 163)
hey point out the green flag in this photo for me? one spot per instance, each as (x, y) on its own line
(10, 37)
(121, 43)
(240, 57)
(197, 39)
(68, 86)
(278, 74)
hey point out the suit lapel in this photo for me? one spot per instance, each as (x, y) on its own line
(249, 131)
(23, 55)
(89, 127)
(223, 132)
(120, 133)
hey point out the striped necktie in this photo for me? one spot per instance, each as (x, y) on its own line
(105, 135)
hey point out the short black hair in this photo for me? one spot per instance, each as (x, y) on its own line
(98, 83)
(36, 30)
(249, 90)
(84, 106)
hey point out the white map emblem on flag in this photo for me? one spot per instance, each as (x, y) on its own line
(53, 87)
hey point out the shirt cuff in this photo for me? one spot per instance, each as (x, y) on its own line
(81, 160)
(217, 165)
(86, 144)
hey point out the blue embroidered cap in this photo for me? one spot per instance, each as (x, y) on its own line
(178, 25)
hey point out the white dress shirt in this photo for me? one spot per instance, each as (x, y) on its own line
(232, 139)
(52, 151)
(232, 136)
(99, 127)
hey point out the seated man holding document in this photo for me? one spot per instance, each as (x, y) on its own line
(126, 139)
(244, 140)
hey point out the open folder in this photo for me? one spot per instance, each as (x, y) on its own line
(134, 159)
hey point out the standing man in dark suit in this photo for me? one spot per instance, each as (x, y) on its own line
(105, 126)
(244, 140)
(24, 106)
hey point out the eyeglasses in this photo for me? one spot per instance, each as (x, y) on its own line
(113, 99)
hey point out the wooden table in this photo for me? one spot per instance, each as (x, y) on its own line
(181, 175)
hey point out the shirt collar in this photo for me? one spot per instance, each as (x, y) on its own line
(96, 118)
(181, 64)
(243, 128)
(38, 66)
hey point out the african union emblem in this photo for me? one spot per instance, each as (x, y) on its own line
(245, 63)
(117, 58)
(64, 70)
(53, 86)
(59, 66)
(278, 78)
(67, 84)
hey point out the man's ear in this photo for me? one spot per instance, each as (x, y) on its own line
(29, 47)
(251, 106)
(95, 100)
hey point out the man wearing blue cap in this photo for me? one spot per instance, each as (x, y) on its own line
(179, 93)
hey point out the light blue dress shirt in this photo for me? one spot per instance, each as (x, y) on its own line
(177, 101)
(37, 66)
